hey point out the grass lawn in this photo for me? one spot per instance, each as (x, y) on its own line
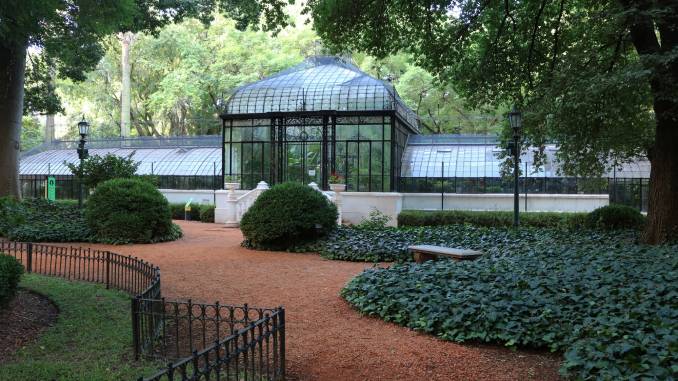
(91, 339)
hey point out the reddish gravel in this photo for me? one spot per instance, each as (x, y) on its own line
(327, 339)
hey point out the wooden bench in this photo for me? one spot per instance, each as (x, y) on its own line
(423, 253)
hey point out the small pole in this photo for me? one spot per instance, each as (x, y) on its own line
(516, 205)
(135, 326)
(525, 186)
(108, 269)
(442, 185)
(282, 342)
(29, 257)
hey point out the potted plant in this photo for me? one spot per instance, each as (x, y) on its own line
(231, 182)
(337, 183)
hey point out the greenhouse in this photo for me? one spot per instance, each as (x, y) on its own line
(320, 118)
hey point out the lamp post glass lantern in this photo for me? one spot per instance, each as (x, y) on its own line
(83, 153)
(516, 122)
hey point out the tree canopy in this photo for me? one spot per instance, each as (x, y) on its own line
(600, 77)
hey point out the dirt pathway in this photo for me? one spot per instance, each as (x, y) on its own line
(326, 339)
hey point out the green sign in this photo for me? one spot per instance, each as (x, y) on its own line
(51, 188)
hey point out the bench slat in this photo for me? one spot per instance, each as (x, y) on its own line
(427, 252)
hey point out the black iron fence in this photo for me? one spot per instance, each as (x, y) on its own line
(628, 191)
(35, 186)
(253, 349)
(125, 273)
(204, 341)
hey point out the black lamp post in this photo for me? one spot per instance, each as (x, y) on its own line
(83, 129)
(516, 122)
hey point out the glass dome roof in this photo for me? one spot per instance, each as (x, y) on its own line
(478, 156)
(169, 156)
(320, 83)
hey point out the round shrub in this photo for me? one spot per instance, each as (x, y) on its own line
(287, 214)
(130, 210)
(615, 216)
(10, 274)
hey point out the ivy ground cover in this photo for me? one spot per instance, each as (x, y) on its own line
(609, 304)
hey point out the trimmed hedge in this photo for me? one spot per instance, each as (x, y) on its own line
(177, 210)
(130, 210)
(615, 216)
(498, 218)
(288, 214)
(609, 304)
(10, 275)
(207, 213)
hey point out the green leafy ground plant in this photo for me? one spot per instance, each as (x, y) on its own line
(91, 339)
(609, 304)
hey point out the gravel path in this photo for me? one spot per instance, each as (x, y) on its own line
(326, 339)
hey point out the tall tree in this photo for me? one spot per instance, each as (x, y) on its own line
(69, 34)
(598, 76)
(126, 40)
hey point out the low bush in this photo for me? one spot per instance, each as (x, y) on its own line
(609, 304)
(179, 213)
(129, 210)
(10, 275)
(38, 220)
(207, 213)
(288, 214)
(375, 220)
(495, 218)
(615, 216)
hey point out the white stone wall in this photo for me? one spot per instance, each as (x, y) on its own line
(356, 206)
(198, 196)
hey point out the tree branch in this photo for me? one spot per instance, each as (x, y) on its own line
(535, 28)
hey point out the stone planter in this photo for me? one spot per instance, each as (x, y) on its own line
(338, 187)
(232, 186)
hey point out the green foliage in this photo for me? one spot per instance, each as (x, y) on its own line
(390, 244)
(180, 73)
(288, 214)
(499, 218)
(609, 304)
(39, 220)
(97, 169)
(440, 107)
(91, 339)
(129, 210)
(179, 213)
(567, 64)
(207, 213)
(11, 215)
(375, 220)
(32, 133)
(10, 275)
(615, 216)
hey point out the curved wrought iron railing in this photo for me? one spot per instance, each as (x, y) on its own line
(202, 341)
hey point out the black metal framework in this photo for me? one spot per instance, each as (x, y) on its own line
(362, 147)
(213, 341)
(237, 342)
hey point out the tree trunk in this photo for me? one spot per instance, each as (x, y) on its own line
(662, 221)
(126, 93)
(12, 70)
